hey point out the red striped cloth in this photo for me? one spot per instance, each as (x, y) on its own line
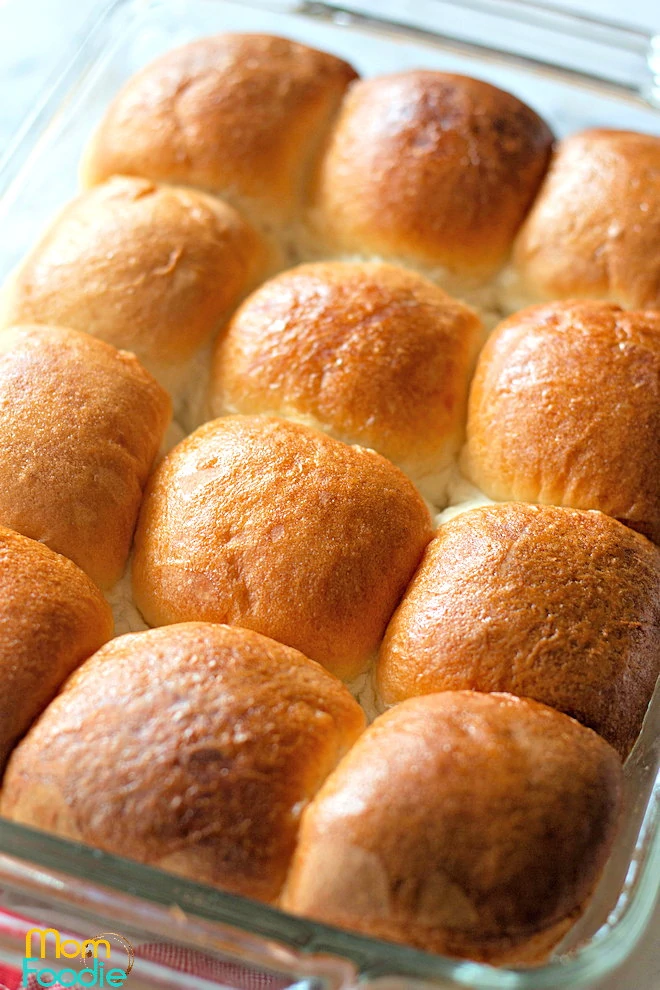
(223, 972)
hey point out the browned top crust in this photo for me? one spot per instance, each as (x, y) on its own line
(273, 526)
(565, 409)
(80, 424)
(237, 114)
(373, 353)
(147, 268)
(554, 604)
(462, 823)
(434, 168)
(52, 617)
(594, 230)
(193, 748)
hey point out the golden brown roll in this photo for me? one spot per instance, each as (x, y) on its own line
(466, 824)
(564, 408)
(193, 748)
(432, 169)
(270, 525)
(80, 424)
(594, 230)
(148, 268)
(242, 115)
(372, 353)
(52, 617)
(558, 605)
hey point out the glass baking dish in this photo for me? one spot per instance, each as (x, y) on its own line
(601, 75)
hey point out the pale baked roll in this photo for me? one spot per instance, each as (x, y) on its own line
(465, 824)
(594, 230)
(270, 525)
(148, 268)
(372, 353)
(80, 425)
(433, 169)
(241, 115)
(564, 409)
(554, 604)
(193, 748)
(52, 617)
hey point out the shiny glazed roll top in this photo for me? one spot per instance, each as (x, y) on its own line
(52, 617)
(270, 525)
(193, 748)
(239, 115)
(80, 426)
(372, 353)
(466, 824)
(564, 409)
(594, 229)
(432, 169)
(153, 269)
(554, 604)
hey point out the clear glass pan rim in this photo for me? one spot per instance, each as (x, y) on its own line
(63, 859)
(60, 858)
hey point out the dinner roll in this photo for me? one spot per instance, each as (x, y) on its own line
(193, 748)
(242, 115)
(461, 823)
(594, 230)
(51, 618)
(434, 169)
(565, 408)
(270, 525)
(372, 353)
(80, 424)
(554, 604)
(148, 268)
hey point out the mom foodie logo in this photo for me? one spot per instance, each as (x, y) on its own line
(100, 970)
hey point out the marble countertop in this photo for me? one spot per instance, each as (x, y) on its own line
(35, 35)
